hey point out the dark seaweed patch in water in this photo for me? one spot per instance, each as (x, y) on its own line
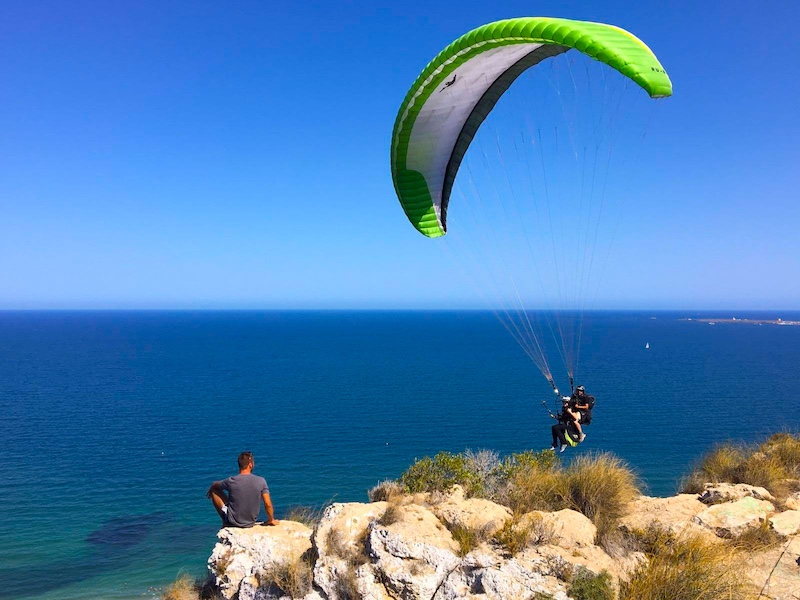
(110, 550)
(125, 532)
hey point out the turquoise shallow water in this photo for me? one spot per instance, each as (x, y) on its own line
(114, 423)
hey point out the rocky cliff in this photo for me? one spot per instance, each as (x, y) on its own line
(446, 546)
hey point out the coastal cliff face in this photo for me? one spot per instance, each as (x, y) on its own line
(445, 546)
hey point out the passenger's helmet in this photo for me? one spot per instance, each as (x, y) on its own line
(580, 388)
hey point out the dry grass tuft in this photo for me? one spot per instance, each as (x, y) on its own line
(536, 488)
(290, 578)
(391, 515)
(183, 588)
(757, 539)
(307, 515)
(346, 585)
(771, 465)
(387, 490)
(599, 486)
(684, 568)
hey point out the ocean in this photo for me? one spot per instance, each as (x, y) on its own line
(115, 423)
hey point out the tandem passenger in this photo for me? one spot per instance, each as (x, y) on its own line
(238, 499)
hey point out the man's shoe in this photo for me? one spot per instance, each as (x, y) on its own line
(563, 447)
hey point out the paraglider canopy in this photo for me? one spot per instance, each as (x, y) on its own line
(450, 99)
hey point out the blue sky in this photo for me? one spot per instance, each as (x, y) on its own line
(235, 155)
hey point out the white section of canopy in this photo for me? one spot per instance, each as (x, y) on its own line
(443, 115)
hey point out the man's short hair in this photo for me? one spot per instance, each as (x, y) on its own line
(244, 459)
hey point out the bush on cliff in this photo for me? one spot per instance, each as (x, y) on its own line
(440, 474)
(771, 465)
(590, 586)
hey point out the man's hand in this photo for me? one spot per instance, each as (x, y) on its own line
(271, 522)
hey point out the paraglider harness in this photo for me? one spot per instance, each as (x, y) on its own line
(567, 420)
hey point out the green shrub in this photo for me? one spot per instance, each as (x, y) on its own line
(526, 461)
(440, 474)
(590, 586)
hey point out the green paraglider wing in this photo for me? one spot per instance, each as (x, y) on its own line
(450, 99)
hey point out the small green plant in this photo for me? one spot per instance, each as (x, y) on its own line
(468, 538)
(514, 536)
(559, 568)
(590, 586)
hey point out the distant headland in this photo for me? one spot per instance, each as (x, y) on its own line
(744, 321)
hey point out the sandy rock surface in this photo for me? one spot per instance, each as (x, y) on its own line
(242, 554)
(732, 519)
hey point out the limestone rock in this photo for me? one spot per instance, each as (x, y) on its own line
(734, 518)
(513, 578)
(777, 571)
(413, 555)
(472, 513)
(793, 501)
(674, 514)
(716, 493)
(786, 523)
(340, 539)
(570, 528)
(242, 555)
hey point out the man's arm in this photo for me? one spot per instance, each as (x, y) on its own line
(271, 520)
(215, 487)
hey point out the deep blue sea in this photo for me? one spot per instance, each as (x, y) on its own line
(113, 424)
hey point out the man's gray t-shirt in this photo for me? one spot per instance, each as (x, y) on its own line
(244, 498)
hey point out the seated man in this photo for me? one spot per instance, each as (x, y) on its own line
(245, 493)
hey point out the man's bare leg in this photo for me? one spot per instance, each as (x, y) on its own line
(219, 501)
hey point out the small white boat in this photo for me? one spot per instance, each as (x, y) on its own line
(647, 346)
